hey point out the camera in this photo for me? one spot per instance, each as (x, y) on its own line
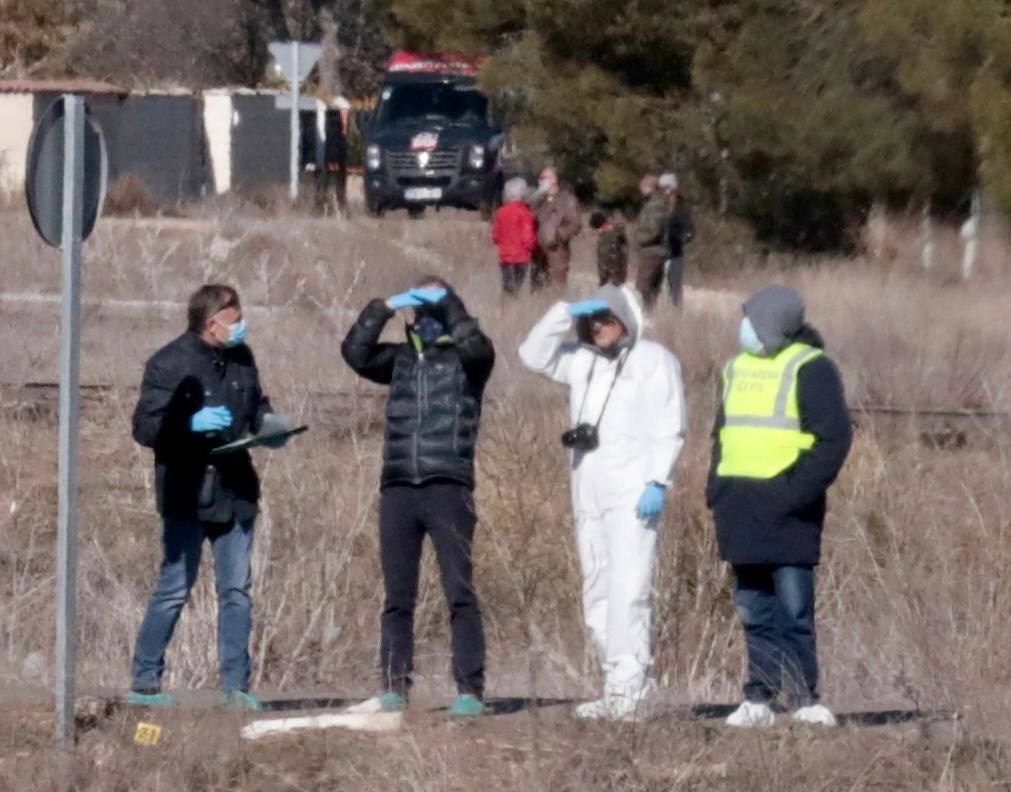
(583, 438)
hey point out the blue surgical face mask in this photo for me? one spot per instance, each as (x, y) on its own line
(750, 342)
(429, 330)
(236, 333)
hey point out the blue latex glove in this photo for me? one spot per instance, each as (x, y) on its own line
(588, 308)
(430, 295)
(211, 419)
(651, 501)
(404, 300)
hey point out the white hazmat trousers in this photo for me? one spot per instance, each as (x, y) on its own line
(641, 435)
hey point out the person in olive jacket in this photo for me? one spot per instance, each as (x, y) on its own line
(200, 391)
(437, 380)
(651, 238)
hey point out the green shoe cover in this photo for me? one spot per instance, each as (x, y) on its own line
(466, 706)
(135, 699)
(391, 701)
(240, 700)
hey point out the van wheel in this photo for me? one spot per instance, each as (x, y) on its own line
(373, 209)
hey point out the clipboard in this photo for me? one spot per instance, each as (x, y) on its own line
(254, 441)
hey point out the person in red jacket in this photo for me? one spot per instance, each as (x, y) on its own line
(515, 234)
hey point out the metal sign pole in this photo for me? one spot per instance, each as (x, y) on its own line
(296, 81)
(70, 326)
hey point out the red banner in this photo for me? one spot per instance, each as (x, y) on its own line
(444, 63)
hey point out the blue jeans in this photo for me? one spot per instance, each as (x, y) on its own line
(776, 607)
(232, 545)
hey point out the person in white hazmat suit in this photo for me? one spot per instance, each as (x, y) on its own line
(628, 417)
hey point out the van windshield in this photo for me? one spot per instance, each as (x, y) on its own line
(442, 101)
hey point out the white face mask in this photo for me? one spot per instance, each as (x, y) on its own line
(750, 342)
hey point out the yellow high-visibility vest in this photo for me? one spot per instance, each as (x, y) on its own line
(761, 434)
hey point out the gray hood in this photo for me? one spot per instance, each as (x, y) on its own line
(777, 314)
(623, 304)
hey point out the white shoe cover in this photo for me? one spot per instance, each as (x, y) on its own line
(817, 714)
(616, 708)
(368, 707)
(752, 715)
(590, 710)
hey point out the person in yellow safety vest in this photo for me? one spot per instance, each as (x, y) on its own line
(781, 436)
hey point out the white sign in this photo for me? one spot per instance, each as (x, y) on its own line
(304, 103)
(308, 54)
(296, 59)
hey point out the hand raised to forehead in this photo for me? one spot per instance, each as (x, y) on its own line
(588, 308)
(404, 300)
(429, 295)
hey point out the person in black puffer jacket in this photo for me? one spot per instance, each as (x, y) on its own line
(437, 380)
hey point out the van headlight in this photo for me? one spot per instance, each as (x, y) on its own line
(476, 159)
(373, 157)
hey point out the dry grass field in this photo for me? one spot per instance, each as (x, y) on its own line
(915, 590)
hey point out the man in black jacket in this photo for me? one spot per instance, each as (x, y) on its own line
(437, 380)
(781, 436)
(332, 169)
(680, 230)
(200, 391)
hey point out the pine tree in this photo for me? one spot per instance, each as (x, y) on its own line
(813, 127)
(952, 62)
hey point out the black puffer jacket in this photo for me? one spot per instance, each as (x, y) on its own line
(180, 379)
(434, 407)
(780, 520)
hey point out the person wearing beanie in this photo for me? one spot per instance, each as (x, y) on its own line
(781, 436)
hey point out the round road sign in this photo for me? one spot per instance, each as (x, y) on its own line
(44, 179)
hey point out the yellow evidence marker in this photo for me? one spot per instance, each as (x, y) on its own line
(147, 734)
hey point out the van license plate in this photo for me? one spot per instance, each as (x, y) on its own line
(423, 194)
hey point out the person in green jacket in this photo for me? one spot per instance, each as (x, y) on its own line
(650, 237)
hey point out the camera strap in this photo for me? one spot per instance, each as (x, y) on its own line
(589, 379)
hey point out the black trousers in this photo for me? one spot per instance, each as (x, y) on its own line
(513, 276)
(444, 511)
(329, 179)
(675, 280)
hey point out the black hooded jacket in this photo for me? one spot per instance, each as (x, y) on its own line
(780, 520)
(179, 379)
(434, 406)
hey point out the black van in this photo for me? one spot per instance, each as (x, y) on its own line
(431, 140)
